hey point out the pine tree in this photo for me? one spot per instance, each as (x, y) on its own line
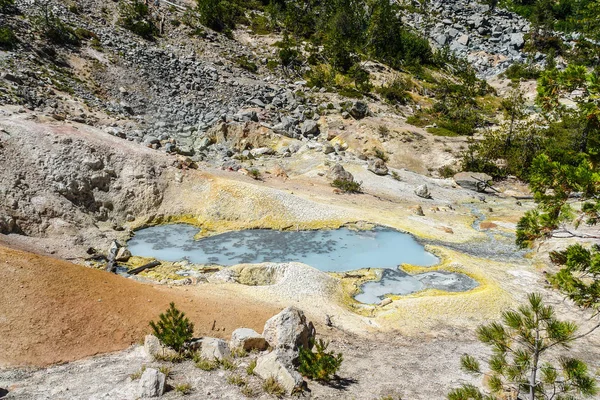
(173, 328)
(520, 366)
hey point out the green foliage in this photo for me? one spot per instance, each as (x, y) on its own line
(396, 92)
(553, 183)
(250, 367)
(289, 55)
(380, 154)
(272, 387)
(520, 362)
(135, 16)
(236, 380)
(52, 27)
(221, 15)
(244, 63)
(254, 174)
(319, 365)
(347, 186)
(183, 388)
(520, 70)
(205, 364)
(579, 276)
(446, 171)
(5, 4)
(173, 328)
(8, 40)
(137, 374)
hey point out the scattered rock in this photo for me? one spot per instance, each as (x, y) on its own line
(277, 364)
(213, 348)
(154, 348)
(123, 254)
(418, 210)
(337, 172)
(310, 127)
(152, 383)
(289, 330)
(247, 339)
(359, 110)
(377, 166)
(423, 191)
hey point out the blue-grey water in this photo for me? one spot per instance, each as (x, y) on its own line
(327, 250)
(399, 282)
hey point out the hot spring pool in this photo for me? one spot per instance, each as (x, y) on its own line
(327, 250)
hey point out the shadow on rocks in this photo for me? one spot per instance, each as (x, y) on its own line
(340, 383)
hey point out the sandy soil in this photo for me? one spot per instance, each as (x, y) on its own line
(62, 312)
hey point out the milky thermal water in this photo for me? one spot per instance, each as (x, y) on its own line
(327, 250)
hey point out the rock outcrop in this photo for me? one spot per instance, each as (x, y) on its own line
(289, 330)
(277, 364)
(152, 383)
(248, 340)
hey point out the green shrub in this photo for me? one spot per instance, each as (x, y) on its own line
(522, 71)
(244, 63)
(362, 79)
(227, 364)
(84, 34)
(206, 365)
(8, 40)
(320, 365)
(220, 15)
(396, 91)
(380, 154)
(135, 16)
(5, 4)
(250, 367)
(183, 388)
(347, 186)
(236, 380)
(137, 374)
(446, 171)
(254, 174)
(272, 387)
(52, 27)
(173, 328)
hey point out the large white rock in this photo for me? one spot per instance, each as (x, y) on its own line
(423, 191)
(213, 348)
(278, 365)
(152, 383)
(247, 339)
(289, 330)
(154, 348)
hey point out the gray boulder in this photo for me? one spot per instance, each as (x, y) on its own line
(123, 254)
(247, 339)
(262, 151)
(337, 172)
(378, 167)
(213, 348)
(359, 110)
(310, 127)
(152, 383)
(423, 191)
(476, 181)
(278, 365)
(517, 40)
(289, 330)
(154, 348)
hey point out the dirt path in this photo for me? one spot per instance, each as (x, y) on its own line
(52, 311)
